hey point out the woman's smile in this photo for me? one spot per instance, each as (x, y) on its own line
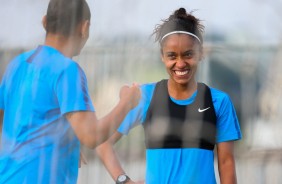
(181, 73)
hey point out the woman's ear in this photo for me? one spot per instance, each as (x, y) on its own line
(85, 29)
(44, 22)
(202, 54)
(162, 55)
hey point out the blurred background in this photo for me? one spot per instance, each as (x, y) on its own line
(243, 47)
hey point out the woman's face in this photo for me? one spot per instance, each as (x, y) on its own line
(181, 54)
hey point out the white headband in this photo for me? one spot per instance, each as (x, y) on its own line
(184, 32)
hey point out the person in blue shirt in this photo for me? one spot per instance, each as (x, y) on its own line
(45, 105)
(183, 120)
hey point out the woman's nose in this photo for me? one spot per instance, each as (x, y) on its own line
(180, 62)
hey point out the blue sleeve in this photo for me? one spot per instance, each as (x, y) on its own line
(137, 115)
(2, 83)
(1, 97)
(72, 90)
(228, 128)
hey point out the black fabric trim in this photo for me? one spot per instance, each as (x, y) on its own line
(37, 51)
(169, 125)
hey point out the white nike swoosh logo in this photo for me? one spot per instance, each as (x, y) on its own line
(202, 110)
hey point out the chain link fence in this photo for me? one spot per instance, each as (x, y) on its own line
(249, 74)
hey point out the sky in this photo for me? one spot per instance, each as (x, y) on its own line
(252, 21)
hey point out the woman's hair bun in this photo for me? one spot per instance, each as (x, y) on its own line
(179, 20)
(180, 13)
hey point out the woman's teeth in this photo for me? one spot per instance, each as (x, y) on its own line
(180, 73)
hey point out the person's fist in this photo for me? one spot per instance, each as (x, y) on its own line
(130, 94)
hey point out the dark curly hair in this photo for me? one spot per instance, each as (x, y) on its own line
(180, 20)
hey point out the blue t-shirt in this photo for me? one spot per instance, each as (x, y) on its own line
(38, 144)
(184, 165)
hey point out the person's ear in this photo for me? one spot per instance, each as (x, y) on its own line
(162, 55)
(44, 22)
(202, 54)
(85, 29)
(202, 57)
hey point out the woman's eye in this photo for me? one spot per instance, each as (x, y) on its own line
(188, 54)
(171, 57)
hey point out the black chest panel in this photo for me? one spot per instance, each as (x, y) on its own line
(169, 125)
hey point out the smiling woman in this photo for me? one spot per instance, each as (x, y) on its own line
(181, 56)
(183, 119)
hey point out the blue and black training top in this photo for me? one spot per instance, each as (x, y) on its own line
(180, 135)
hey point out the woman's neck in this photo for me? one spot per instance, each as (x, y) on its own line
(181, 91)
(60, 43)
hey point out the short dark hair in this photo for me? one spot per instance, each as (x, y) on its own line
(180, 20)
(63, 16)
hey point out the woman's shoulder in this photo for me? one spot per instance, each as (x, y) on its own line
(147, 90)
(218, 94)
(148, 87)
(220, 98)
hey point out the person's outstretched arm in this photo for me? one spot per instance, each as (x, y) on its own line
(226, 163)
(108, 156)
(91, 131)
